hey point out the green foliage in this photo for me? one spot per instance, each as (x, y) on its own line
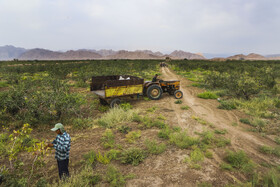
(81, 123)
(113, 154)
(103, 108)
(114, 177)
(182, 140)
(185, 107)
(269, 150)
(226, 166)
(103, 159)
(90, 158)
(164, 133)
(224, 131)
(208, 154)
(50, 101)
(227, 105)
(3, 84)
(277, 140)
(207, 95)
(132, 136)
(239, 160)
(245, 120)
(196, 155)
(115, 116)
(85, 177)
(155, 148)
(178, 101)
(108, 139)
(124, 129)
(152, 109)
(132, 156)
(161, 117)
(126, 106)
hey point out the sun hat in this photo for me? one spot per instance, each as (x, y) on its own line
(58, 126)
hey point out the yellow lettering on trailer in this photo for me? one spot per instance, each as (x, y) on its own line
(123, 90)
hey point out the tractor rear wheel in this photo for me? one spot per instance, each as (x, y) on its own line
(115, 103)
(154, 92)
(178, 94)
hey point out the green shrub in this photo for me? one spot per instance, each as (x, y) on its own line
(196, 155)
(226, 166)
(159, 124)
(126, 106)
(114, 177)
(269, 150)
(113, 154)
(208, 154)
(161, 117)
(3, 84)
(152, 109)
(103, 108)
(185, 107)
(207, 95)
(239, 160)
(182, 140)
(132, 156)
(132, 136)
(124, 129)
(115, 116)
(246, 121)
(178, 101)
(222, 142)
(227, 105)
(108, 139)
(164, 133)
(81, 123)
(224, 131)
(277, 140)
(90, 158)
(154, 148)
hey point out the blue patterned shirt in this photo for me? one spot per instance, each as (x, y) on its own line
(62, 144)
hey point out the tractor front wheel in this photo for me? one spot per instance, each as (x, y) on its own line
(178, 94)
(154, 92)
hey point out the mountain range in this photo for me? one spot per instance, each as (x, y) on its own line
(9, 52)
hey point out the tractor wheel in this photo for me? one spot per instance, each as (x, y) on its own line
(154, 92)
(115, 103)
(178, 94)
(103, 101)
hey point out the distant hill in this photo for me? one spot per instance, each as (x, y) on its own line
(251, 56)
(43, 54)
(10, 52)
(122, 54)
(182, 54)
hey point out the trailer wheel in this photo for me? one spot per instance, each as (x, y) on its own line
(103, 101)
(154, 92)
(115, 103)
(178, 94)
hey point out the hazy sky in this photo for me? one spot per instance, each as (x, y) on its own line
(207, 26)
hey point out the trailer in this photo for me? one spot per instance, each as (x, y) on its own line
(111, 89)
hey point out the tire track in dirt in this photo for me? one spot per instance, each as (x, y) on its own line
(222, 119)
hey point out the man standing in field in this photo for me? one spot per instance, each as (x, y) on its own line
(61, 144)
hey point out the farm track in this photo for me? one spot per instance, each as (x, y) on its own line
(222, 119)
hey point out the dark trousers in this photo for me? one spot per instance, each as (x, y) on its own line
(63, 168)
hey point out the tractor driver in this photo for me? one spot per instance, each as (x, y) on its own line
(155, 78)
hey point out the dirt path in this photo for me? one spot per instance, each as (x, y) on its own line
(222, 119)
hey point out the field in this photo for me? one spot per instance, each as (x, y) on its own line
(224, 131)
